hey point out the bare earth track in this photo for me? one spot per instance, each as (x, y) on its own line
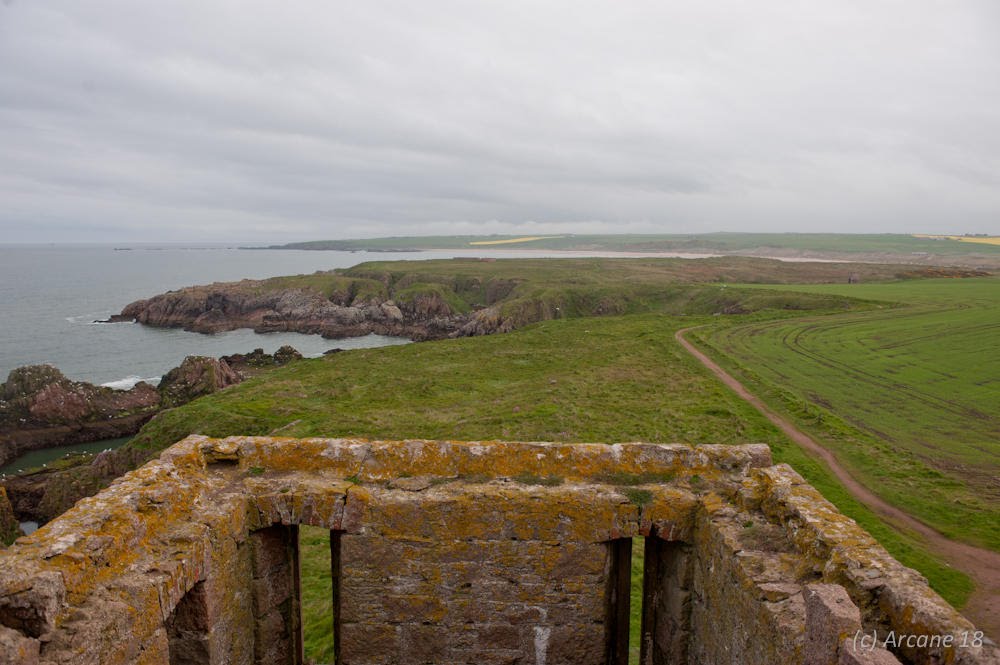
(982, 565)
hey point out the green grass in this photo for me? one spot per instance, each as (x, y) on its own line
(906, 396)
(635, 600)
(317, 599)
(613, 379)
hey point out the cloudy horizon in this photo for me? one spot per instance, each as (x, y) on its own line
(267, 122)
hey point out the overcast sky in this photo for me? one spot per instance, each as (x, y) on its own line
(221, 120)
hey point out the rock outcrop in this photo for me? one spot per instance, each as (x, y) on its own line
(221, 307)
(43, 494)
(249, 364)
(196, 376)
(41, 408)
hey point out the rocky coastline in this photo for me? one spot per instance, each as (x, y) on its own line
(41, 408)
(221, 307)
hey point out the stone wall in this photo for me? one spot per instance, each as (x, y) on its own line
(450, 552)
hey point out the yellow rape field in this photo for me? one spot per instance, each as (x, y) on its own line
(510, 241)
(985, 240)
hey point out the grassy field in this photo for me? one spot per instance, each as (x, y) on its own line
(720, 242)
(317, 607)
(908, 397)
(608, 379)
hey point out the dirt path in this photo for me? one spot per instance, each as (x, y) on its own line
(983, 566)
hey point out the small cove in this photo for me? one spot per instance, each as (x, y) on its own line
(45, 456)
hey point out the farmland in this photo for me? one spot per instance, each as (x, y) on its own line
(970, 251)
(720, 242)
(906, 396)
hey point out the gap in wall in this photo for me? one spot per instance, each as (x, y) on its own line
(187, 629)
(317, 594)
(636, 599)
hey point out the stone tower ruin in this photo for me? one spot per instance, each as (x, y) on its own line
(455, 552)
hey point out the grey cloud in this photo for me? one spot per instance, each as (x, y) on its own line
(254, 120)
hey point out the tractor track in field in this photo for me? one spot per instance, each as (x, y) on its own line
(981, 565)
(792, 340)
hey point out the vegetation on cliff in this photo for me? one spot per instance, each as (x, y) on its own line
(10, 529)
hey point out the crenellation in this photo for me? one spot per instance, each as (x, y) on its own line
(454, 552)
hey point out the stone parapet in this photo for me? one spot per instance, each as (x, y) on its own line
(456, 552)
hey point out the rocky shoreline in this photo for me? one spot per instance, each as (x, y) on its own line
(221, 307)
(41, 408)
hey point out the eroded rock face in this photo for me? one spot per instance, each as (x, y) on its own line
(196, 376)
(41, 408)
(221, 307)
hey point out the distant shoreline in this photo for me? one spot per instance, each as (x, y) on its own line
(797, 247)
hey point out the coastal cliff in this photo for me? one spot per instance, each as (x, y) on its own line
(469, 297)
(251, 304)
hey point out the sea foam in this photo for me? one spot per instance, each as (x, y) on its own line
(129, 382)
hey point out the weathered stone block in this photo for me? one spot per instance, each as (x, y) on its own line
(370, 644)
(156, 650)
(830, 617)
(425, 643)
(31, 601)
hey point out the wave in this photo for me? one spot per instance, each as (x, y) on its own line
(96, 318)
(129, 382)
